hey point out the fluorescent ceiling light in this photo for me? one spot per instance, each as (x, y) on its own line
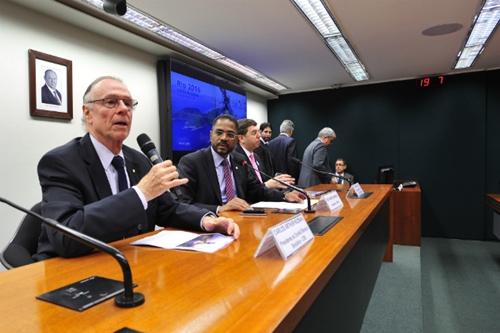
(483, 26)
(151, 24)
(316, 12)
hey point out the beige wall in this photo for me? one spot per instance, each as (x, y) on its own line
(23, 139)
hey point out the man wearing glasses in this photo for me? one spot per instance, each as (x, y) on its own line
(340, 166)
(221, 179)
(102, 188)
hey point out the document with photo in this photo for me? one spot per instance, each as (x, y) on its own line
(183, 240)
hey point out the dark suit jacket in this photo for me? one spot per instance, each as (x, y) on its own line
(48, 97)
(283, 149)
(348, 176)
(203, 187)
(264, 154)
(76, 193)
(315, 156)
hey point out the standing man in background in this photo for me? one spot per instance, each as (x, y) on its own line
(262, 151)
(266, 132)
(283, 150)
(316, 157)
(340, 166)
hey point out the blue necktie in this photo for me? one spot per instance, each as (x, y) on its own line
(118, 163)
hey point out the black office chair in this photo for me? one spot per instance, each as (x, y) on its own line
(24, 244)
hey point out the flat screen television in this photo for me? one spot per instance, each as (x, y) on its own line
(192, 98)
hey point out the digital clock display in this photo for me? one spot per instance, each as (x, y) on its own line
(431, 81)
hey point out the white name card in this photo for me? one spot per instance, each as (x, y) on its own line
(358, 190)
(288, 236)
(332, 201)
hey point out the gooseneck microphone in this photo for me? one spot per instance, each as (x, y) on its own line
(321, 171)
(128, 298)
(293, 187)
(149, 149)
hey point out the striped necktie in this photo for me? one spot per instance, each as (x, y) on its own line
(230, 193)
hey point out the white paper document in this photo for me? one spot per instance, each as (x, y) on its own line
(283, 204)
(183, 240)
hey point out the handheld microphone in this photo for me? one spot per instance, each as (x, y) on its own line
(321, 171)
(309, 209)
(128, 298)
(149, 149)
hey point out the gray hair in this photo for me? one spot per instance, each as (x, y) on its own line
(86, 95)
(91, 86)
(287, 126)
(326, 132)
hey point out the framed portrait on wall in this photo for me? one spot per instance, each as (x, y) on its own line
(51, 86)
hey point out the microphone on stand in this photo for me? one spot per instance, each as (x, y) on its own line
(309, 209)
(321, 171)
(149, 149)
(128, 298)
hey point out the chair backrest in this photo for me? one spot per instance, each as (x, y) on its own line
(24, 244)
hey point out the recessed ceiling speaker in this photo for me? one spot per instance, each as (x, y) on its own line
(442, 29)
(115, 7)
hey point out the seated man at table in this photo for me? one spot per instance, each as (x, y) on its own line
(102, 188)
(220, 179)
(249, 141)
(340, 167)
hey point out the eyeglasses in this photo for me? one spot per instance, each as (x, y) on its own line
(113, 102)
(230, 135)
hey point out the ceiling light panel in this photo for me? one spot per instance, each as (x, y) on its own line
(315, 11)
(151, 24)
(482, 28)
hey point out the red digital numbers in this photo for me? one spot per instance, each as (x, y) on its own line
(431, 81)
(425, 82)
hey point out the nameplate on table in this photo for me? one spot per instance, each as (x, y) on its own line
(288, 237)
(330, 201)
(358, 192)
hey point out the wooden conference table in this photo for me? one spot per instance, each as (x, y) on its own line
(325, 286)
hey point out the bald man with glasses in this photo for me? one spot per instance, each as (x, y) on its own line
(100, 187)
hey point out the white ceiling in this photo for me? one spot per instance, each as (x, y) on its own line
(273, 37)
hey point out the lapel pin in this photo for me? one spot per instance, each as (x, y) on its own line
(133, 170)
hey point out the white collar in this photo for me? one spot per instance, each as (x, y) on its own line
(105, 155)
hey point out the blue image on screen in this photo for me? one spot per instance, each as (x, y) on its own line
(195, 104)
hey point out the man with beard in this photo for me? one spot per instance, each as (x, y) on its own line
(220, 179)
(262, 151)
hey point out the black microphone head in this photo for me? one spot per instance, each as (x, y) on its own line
(145, 143)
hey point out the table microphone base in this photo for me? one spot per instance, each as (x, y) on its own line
(124, 302)
(309, 211)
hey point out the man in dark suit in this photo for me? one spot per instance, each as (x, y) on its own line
(219, 178)
(283, 150)
(340, 167)
(262, 151)
(50, 94)
(316, 157)
(106, 190)
(249, 141)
